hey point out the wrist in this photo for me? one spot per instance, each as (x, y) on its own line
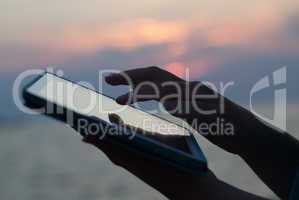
(263, 140)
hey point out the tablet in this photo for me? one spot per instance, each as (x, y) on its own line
(161, 139)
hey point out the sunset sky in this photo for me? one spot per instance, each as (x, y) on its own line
(218, 40)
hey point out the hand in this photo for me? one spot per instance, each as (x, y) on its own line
(172, 183)
(179, 99)
(261, 146)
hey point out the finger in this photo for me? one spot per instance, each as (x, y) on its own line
(125, 77)
(124, 99)
(136, 76)
(115, 119)
(117, 79)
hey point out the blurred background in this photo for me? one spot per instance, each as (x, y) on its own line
(239, 41)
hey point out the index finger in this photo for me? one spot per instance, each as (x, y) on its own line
(134, 76)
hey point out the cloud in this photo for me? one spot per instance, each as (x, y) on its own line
(202, 44)
(244, 31)
(123, 36)
(135, 33)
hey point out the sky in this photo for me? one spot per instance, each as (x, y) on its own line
(239, 41)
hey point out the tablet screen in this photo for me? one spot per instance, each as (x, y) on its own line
(88, 102)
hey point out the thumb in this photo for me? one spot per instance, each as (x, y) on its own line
(115, 119)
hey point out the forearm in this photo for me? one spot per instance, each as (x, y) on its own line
(274, 156)
(178, 187)
(172, 183)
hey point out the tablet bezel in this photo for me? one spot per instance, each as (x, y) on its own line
(178, 158)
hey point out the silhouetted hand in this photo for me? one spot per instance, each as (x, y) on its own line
(172, 183)
(193, 102)
(261, 146)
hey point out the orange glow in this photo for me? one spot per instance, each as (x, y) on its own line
(133, 34)
(176, 68)
(197, 35)
(191, 69)
(125, 36)
(180, 38)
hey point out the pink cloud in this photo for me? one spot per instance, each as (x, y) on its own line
(125, 36)
(258, 31)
